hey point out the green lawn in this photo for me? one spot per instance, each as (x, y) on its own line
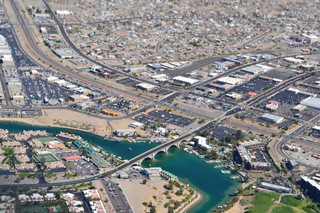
(283, 209)
(24, 175)
(291, 200)
(263, 201)
(306, 209)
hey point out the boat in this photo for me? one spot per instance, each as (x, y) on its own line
(201, 156)
(116, 140)
(130, 148)
(225, 172)
(219, 166)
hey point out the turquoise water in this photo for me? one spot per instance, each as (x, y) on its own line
(120, 149)
(211, 183)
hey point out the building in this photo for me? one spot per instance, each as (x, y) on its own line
(185, 80)
(125, 132)
(64, 53)
(272, 106)
(64, 12)
(152, 172)
(23, 198)
(98, 160)
(72, 158)
(201, 142)
(91, 194)
(78, 98)
(256, 69)
(145, 86)
(275, 187)
(311, 102)
(299, 108)
(272, 118)
(312, 186)
(109, 112)
(292, 164)
(252, 155)
(230, 80)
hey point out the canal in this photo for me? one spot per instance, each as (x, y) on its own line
(214, 186)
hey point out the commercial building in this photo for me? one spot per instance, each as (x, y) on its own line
(97, 159)
(201, 142)
(78, 98)
(311, 102)
(109, 112)
(256, 69)
(64, 53)
(152, 172)
(272, 118)
(186, 80)
(145, 86)
(299, 108)
(312, 186)
(275, 187)
(125, 132)
(252, 155)
(230, 80)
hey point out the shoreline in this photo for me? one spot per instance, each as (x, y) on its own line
(29, 122)
(192, 203)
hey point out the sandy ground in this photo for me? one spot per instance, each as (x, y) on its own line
(237, 208)
(147, 193)
(68, 119)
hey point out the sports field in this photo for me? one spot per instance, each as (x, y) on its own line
(48, 157)
(46, 139)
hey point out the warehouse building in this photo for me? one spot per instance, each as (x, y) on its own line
(275, 187)
(272, 118)
(311, 102)
(186, 80)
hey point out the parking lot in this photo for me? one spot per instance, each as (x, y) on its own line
(220, 132)
(36, 89)
(81, 167)
(19, 58)
(160, 116)
(288, 97)
(312, 80)
(257, 85)
(132, 83)
(314, 133)
(279, 74)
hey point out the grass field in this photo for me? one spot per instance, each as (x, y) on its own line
(291, 201)
(48, 157)
(263, 201)
(283, 209)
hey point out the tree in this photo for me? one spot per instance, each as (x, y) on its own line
(239, 135)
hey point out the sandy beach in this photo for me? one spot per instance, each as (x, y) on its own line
(67, 119)
(153, 191)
